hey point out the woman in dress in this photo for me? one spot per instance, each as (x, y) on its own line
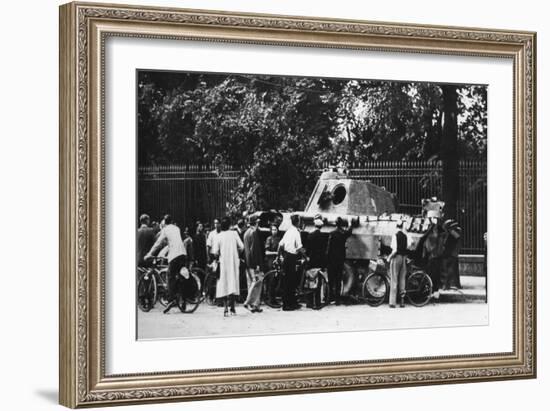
(227, 247)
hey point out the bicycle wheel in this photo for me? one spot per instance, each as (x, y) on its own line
(162, 287)
(146, 292)
(209, 289)
(201, 274)
(375, 289)
(190, 295)
(419, 288)
(271, 290)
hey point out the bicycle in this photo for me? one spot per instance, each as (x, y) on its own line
(188, 290)
(313, 284)
(376, 286)
(153, 286)
(146, 288)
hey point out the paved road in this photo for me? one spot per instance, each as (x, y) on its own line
(209, 321)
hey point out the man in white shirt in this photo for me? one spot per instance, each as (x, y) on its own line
(212, 237)
(290, 246)
(170, 236)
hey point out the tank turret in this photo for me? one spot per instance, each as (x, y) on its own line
(336, 193)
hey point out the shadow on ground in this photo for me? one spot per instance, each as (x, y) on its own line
(49, 394)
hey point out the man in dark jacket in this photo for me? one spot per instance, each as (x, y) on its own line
(241, 227)
(336, 255)
(316, 245)
(199, 246)
(145, 239)
(398, 265)
(254, 259)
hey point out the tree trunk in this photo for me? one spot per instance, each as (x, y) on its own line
(449, 150)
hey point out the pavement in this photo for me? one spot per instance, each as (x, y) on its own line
(465, 307)
(473, 290)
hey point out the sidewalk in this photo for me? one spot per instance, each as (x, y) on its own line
(473, 290)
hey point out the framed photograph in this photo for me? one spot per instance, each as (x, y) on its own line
(259, 204)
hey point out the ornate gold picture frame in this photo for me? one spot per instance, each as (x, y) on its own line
(84, 29)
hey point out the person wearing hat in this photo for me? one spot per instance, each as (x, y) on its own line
(398, 266)
(336, 256)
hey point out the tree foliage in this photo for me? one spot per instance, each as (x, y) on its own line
(279, 129)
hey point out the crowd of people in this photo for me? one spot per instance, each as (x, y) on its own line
(229, 250)
(224, 249)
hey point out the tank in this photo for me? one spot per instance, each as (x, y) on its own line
(368, 208)
(370, 211)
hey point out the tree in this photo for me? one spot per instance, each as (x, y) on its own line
(389, 120)
(410, 121)
(279, 129)
(449, 149)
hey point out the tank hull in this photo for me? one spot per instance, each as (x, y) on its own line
(370, 234)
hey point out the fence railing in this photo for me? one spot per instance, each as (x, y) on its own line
(201, 192)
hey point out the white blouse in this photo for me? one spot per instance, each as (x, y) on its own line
(291, 241)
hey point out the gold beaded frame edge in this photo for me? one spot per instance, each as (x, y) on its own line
(83, 30)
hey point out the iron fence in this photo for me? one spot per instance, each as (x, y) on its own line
(193, 192)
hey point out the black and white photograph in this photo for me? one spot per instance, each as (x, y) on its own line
(271, 204)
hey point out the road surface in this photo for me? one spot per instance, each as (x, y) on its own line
(208, 321)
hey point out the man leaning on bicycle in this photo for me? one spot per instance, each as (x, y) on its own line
(170, 236)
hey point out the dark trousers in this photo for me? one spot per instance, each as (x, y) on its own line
(174, 268)
(398, 278)
(313, 298)
(449, 273)
(335, 271)
(290, 280)
(434, 271)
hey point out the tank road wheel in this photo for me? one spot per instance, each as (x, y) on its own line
(419, 288)
(147, 292)
(375, 289)
(272, 292)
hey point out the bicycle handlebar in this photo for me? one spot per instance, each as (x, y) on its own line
(156, 259)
